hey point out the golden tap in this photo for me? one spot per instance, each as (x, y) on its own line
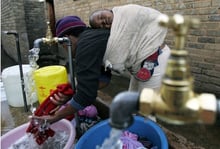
(49, 39)
(176, 102)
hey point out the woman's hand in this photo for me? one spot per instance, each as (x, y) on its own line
(59, 98)
(44, 119)
(60, 114)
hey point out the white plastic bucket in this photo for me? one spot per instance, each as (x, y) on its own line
(12, 83)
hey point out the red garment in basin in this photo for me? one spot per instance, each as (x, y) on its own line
(45, 109)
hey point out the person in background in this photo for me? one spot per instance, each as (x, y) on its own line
(132, 49)
(88, 48)
(136, 43)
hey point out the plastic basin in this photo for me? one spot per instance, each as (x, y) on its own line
(141, 126)
(15, 134)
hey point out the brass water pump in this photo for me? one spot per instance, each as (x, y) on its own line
(176, 102)
(49, 39)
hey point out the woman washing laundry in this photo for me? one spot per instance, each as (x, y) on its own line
(139, 43)
(88, 48)
(135, 43)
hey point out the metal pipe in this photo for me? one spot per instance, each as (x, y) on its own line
(37, 42)
(218, 112)
(176, 103)
(70, 59)
(199, 108)
(202, 108)
(20, 66)
(69, 45)
(122, 107)
(51, 16)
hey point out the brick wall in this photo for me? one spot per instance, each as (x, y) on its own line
(35, 19)
(203, 43)
(11, 21)
(29, 19)
(25, 17)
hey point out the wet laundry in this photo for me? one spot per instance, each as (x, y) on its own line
(41, 130)
(133, 141)
(87, 118)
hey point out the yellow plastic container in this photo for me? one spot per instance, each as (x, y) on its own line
(47, 78)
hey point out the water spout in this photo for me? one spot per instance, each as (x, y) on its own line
(49, 39)
(123, 106)
(37, 42)
(34, 53)
(176, 103)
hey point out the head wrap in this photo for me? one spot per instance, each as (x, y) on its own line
(67, 24)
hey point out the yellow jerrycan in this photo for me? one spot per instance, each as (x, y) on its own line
(47, 78)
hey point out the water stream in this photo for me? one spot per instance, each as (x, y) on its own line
(30, 87)
(59, 140)
(113, 142)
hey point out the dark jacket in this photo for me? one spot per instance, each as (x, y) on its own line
(90, 50)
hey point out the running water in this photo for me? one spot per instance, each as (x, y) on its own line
(33, 57)
(30, 87)
(58, 141)
(113, 142)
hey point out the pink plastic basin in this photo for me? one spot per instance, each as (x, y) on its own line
(13, 135)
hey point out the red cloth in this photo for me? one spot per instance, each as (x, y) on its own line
(45, 109)
(154, 56)
(144, 74)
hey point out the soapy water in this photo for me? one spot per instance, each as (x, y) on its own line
(113, 142)
(58, 141)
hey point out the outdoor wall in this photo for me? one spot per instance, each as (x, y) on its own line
(10, 20)
(35, 18)
(203, 43)
(27, 18)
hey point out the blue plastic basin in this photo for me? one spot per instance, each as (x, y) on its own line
(142, 127)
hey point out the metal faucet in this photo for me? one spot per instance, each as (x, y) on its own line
(176, 102)
(49, 39)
